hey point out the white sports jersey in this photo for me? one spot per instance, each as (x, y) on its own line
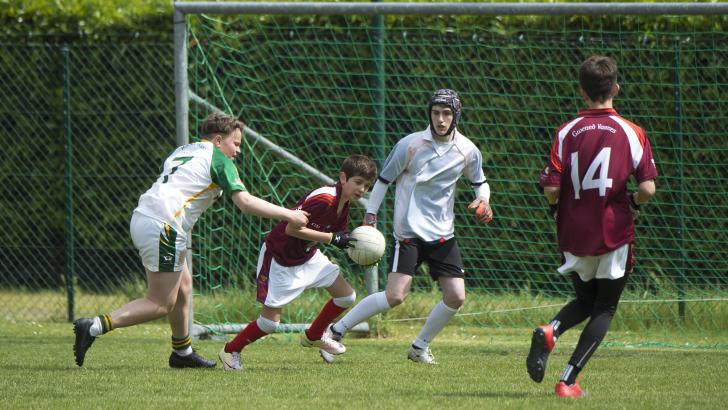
(426, 172)
(193, 177)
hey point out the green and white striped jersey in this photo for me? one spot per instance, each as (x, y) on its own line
(192, 178)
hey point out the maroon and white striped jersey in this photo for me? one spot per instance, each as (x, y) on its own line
(322, 203)
(591, 160)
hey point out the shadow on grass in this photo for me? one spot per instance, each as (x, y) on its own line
(492, 394)
(90, 369)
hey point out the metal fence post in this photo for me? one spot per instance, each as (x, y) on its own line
(181, 109)
(372, 273)
(68, 165)
(680, 277)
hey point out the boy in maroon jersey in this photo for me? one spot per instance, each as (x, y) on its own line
(290, 262)
(585, 183)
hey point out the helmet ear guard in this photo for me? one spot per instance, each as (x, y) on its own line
(449, 98)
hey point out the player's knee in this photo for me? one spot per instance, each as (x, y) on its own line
(604, 309)
(266, 325)
(185, 284)
(395, 299)
(345, 301)
(453, 301)
(586, 303)
(164, 309)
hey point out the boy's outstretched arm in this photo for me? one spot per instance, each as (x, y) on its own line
(341, 239)
(255, 206)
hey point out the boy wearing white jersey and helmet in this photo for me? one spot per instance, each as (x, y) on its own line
(425, 166)
(193, 177)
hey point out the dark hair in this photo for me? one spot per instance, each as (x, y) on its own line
(359, 166)
(220, 123)
(447, 97)
(597, 77)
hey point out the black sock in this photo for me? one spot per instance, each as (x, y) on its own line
(555, 325)
(572, 314)
(569, 374)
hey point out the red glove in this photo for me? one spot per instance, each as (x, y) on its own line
(483, 212)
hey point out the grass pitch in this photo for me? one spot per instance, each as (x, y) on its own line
(479, 368)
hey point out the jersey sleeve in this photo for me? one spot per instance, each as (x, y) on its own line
(224, 173)
(646, 169)
(474, 168)
(395, 163)
(551, 174)
(376, 197)
(316, 206)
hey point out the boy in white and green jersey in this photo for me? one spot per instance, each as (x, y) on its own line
(193, 177)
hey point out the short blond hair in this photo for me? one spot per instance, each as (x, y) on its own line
(220, 123)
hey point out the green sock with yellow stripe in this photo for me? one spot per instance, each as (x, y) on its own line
(182, 346)
(102, 324)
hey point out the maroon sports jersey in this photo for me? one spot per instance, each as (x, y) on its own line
(591, 160)
(322, 204)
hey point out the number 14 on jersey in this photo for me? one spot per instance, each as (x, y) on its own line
(601, 162)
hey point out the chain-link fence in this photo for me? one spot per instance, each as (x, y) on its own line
(84, 128)
(314, 84)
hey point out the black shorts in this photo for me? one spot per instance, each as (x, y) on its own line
(443, 258)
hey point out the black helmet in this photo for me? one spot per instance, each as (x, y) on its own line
(449, 98)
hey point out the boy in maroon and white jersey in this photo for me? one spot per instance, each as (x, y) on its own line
(290, 262)
(585, 183)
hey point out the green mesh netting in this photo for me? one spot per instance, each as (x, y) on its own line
(323, 88)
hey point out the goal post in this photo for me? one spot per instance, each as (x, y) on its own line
(316, 82)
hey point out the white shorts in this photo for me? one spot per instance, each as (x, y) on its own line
(280, 285)
(160, 246)
(610, 265)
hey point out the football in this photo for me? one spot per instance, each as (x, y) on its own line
(369, 245)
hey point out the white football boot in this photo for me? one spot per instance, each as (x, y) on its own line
(230, 361)
(421, 355)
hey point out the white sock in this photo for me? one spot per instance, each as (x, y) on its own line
(366, 308)
(184, 352)
(95, 329)
(439, 317)
(266, 325)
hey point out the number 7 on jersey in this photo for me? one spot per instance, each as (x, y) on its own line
(182, 161)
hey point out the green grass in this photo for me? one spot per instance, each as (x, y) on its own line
(636, 312)
(480, 368)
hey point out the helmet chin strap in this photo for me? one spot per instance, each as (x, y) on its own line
(447, 133)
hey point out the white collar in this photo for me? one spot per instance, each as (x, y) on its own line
(428, 136)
